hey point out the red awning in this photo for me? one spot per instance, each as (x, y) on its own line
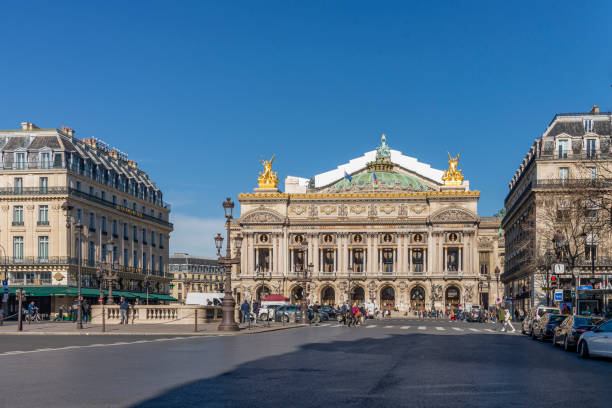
(275, 297)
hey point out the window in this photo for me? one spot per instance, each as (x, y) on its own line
(103, 195)
(161, 265)
(18, 185)
(45, 160)
(91, 191)
(114, 200)
(144, 261)
(125, 230)
(152, 263)
(452, 259)
(263, 256)
(387, 260)
(103, 225)
(20, 161)
(79, 215)
(144, 236)
(358, 259)
(484, 258)
(161, 241)
(134, 206)
(588, 125)
(125, 203)
(92, 253)
(590, 148)
(104, 253)
(593, 172)
(43, 215)
(417, 260)
(43, 248)
(126, 257)
(563, 174)
(115, 254)
(43, 185)
(18, 215)
(115, 233)
(78, 186)
(135, 259)
(135, 233)
(563, 147)
(92, 222)
(152, 238)
(18, 248)
(590, 250)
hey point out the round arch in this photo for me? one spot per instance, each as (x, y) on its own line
(387, 297)
(417, 298)
(297, 294)
(452, 296)
(328, 296)
(358, 295)
(262, 292)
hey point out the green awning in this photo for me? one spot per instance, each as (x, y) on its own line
(85, 292)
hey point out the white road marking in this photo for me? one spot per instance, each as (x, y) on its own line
(404, 327)
(474, 330)
(440, 328)
(421, 327)
(489, 330)
(370, 327)
(458, 329)
(122, 343)
(388, 327)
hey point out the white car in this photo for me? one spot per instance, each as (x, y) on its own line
(597, 342)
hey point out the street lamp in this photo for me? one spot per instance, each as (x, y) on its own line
(107, 275)
(304, 271)
(480, 285)
(79, 227)
(497, 279)
(350, 272)
(4, 295)
(229, 304)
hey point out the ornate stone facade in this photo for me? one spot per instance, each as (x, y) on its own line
(382, 228)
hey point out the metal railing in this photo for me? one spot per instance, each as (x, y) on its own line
(572, 183)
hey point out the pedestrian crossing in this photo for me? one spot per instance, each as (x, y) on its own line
(435, 329)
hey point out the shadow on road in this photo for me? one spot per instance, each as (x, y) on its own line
(406, 370)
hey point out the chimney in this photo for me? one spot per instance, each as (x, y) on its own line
(594, 110)
(28, 126)
(67, 131)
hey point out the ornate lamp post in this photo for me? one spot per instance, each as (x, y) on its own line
(497, 279)
(4, 295)
(109, 275)
(304, 277)
(147, 283)
(229, 304)
(79, 227)
(480, 284)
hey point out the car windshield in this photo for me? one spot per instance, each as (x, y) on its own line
(556, 318)
(547, 310)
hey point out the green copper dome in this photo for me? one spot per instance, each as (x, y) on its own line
(385, 179)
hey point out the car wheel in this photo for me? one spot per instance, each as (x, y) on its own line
(541, 336)
(566, 343)
(583, 349)
(554, 340)
(285, 319)
(264, 317)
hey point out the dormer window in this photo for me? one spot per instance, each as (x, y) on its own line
(563, 148)
(20, 160)
(590, 148)
(588, 125)
(45, 160)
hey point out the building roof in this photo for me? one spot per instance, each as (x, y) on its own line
(184, 258)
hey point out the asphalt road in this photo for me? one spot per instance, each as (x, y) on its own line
(387, 363)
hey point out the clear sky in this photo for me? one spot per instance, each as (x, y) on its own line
(198, 92)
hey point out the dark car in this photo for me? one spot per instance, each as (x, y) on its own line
(283, 313)
(331, 312)
(568, 332)
(544, 328)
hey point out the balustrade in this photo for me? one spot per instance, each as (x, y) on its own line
(166, 314)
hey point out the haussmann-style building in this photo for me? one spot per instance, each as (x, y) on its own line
(382, 228)
(51, 182)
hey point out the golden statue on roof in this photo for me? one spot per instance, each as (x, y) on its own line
(268, 178)
(452, 176)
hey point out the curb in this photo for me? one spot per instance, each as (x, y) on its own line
(201, 334)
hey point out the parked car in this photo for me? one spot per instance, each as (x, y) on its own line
(543, 328)
(283, 313)
(568, 333)
(266, 312)
(329, 310)
(474, 314)
(527, 325)
(596, 342)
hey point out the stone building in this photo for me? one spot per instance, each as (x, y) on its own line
(195, 274)
(49, 182)
(383, 227)
(572, 155)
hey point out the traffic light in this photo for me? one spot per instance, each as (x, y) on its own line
(567, 295)
(553, 279)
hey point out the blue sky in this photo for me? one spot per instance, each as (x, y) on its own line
(198, 92)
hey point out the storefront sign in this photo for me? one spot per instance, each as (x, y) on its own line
(558, 295)
(585, 287)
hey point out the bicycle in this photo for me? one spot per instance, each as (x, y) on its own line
(33, 317)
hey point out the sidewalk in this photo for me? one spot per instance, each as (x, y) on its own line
(70, 329)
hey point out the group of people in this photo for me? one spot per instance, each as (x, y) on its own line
(245, 311)
(354, 315)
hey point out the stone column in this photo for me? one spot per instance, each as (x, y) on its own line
(292, 267)
(410, 258)
(345, 254)
(376, 256)
(460, 269)
(316, 257)
(338, 249)
(443, 259)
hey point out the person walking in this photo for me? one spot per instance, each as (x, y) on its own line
(85, 310)
(124, 306)
(255, 311)
(508, 320)
(501, 318)
(245, 308)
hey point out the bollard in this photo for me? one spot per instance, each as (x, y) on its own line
(196, 321)
(20, 312)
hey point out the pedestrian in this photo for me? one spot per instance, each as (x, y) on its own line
(134, 310)
(501, 318)
(245, 308)
(124, 306)
(516, 315)
(508, 320)
(60, 315)
(74, 310)
(85, 310)
(255, 311)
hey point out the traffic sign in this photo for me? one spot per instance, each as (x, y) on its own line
(585, 287)
(4, 283)
(559, 269)
(558, 295)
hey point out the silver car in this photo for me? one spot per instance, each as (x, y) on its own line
(597, 342)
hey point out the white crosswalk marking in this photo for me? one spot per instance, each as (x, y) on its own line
(421, 327)
(388, 327)
(489, 330)
(458, 329)
(370, 327)
(404, 327)
(474, 330)
(440, 328)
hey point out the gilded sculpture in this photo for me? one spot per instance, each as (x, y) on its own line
(268, 178)
(452, 176)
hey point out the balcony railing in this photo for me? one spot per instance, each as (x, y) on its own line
(567, 183)
(570, 155)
